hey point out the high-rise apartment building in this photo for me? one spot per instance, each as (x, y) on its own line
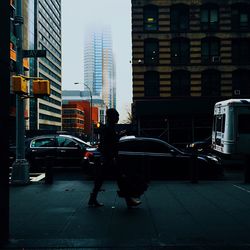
(99, 72)
(45, 113)
(186, 56)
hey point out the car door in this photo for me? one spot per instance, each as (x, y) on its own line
(158, 157)
(165, 161)
(69, 152)
(39, 149)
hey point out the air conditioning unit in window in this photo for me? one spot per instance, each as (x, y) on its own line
(216, 59)
(236, 92)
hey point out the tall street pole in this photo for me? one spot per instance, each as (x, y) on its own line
(4, 118)
(20, 168)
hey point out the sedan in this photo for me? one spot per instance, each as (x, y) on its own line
(62, 150)
(162, 160)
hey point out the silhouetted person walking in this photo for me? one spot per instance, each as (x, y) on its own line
(108, 148)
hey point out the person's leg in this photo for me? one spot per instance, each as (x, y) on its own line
(99, 178)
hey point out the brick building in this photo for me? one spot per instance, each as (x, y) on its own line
(76, 117)
(187, 54)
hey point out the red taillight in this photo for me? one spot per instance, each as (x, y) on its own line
(88, 155)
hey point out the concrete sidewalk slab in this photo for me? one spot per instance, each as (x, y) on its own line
(173, 215)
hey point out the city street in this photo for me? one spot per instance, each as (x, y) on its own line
(141, 91)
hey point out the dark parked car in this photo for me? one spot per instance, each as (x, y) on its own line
(163, 160)
(203, 146)
(63, 150)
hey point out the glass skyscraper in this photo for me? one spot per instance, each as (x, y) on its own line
(99, 68)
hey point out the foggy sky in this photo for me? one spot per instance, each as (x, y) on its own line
(77, 17)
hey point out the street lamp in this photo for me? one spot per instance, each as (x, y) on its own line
(90, 112)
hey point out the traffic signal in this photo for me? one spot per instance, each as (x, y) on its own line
(19, 85)
(41, 88)
(98, 127)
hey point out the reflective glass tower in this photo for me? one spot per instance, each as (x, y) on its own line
(99, 71)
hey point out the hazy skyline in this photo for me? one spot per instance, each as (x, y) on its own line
(76, 21)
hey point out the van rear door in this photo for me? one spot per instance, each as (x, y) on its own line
(243, 130)
(218, 132)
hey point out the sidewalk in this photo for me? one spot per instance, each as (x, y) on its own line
(173, 215)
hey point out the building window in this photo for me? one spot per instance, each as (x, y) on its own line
(241, 83)
(209, 17)
(241, 51)
(49, 108)
(151, 51)
(210, 83)
(210, 50)
(180, 50)
(240, 16)
(179, 18)
(150, 18)
(49, 127)
(49, 118)
(180, 83)
(151, 84)
(244, 123)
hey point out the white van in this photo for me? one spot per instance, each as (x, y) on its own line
(231, 127)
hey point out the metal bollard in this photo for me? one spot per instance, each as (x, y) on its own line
(49, 161)
(247, 169)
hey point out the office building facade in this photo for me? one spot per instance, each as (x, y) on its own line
(99, 68)
(45, 113)
(186, 56)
